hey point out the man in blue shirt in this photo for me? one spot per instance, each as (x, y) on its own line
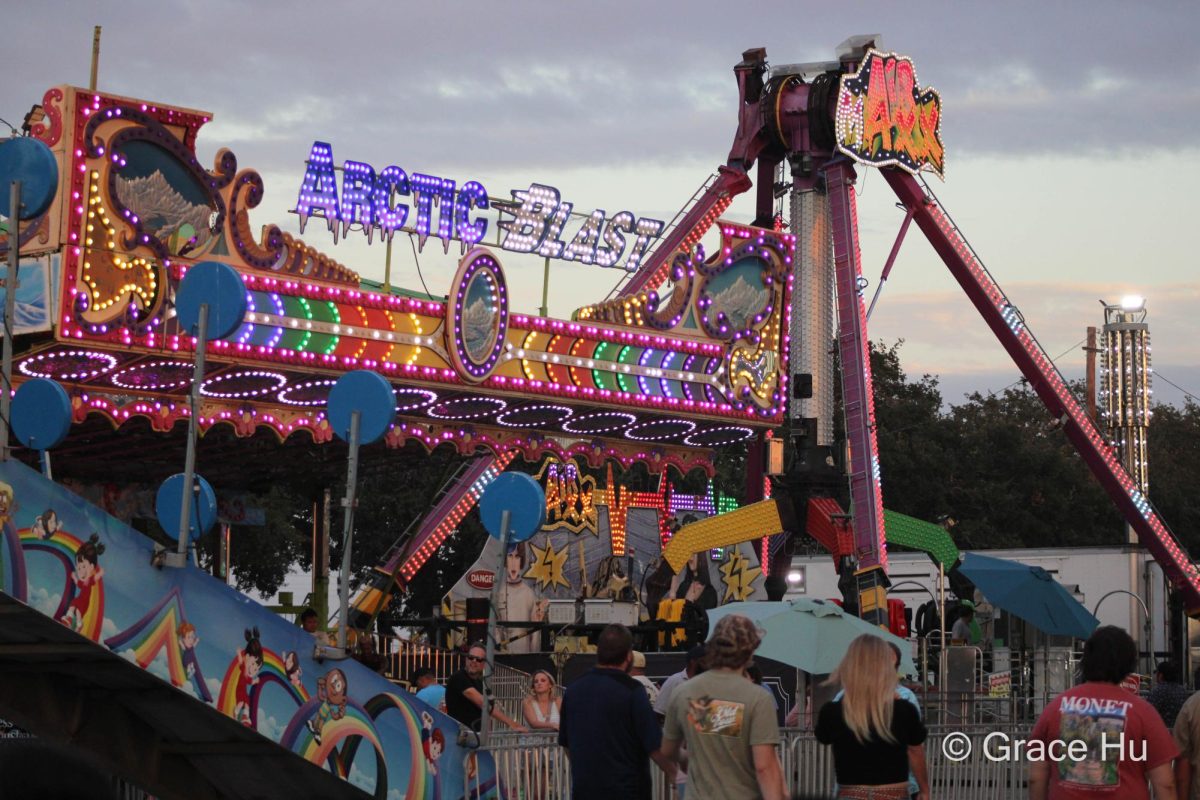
(608, 729)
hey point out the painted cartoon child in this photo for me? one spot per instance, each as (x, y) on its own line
(331, 689)
(433, 741)
(86, 577)
(291, 668)
(47, 524)
(434, 746)
(250, 661)
(188, 639)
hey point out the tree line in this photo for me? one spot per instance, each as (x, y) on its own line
(993, 463)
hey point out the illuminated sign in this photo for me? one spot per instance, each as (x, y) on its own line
(884, 119)
(542, 214)
(369, 201)
(570, 497)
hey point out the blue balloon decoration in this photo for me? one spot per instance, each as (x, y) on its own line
(169, 502)
(371, 396)
(218, 285)
(522, 497)
(29, 161)
(41, 414)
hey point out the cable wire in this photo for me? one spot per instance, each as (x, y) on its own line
(1186, 393)
(417, 261)
(1054, 361)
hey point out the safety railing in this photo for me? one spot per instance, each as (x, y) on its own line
(534, 767)
(402, 658)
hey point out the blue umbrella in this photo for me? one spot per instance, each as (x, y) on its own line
(812, 635)
(1030, 593)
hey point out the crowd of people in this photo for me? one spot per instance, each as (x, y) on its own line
(712, 727)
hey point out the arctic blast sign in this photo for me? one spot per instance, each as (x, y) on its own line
(537, 220)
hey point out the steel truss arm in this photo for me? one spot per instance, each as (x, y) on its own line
(1009, 327)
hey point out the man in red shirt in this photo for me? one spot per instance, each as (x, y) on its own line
(1099, 740)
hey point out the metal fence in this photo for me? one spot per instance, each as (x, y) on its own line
(402, 658)
(534, 767)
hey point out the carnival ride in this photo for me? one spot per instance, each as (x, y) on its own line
(134, 212)
(659, 380)
(819, 119)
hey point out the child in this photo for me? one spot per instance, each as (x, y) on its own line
(87, 575)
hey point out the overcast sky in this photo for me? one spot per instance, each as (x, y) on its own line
(1068, 131)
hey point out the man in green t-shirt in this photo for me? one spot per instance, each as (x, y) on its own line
(727, 722)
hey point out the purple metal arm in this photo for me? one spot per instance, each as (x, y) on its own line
(733, 179)
(866, 494)
(1009, 327)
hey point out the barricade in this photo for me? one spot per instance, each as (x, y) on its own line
(533, 767)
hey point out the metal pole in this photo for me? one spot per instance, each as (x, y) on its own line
(891, 260)
(226, 556)
(95, 58)
(387, 258)
(1090, 375)
(46, 465)
(485, 727)
(10, 308)
(942, 660)
(545, 309)
(348, 532)
(321, 564)
(189, 462)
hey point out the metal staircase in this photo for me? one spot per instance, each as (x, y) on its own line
(457, 496)
(671, 227)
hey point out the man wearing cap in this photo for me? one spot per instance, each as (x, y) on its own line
(638, 673)
(727, 722)
(962, 632)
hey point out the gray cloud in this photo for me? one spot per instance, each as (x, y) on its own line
(531, 83)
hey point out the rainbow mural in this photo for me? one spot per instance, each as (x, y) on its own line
(272, 671)
(355, 725)
(423, 783)
(188, 629)
(158, 631)
(64, 547)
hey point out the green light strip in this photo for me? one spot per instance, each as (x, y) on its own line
(621, 375)
(337, 319)
(307, 315)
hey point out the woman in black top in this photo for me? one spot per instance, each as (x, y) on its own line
(870, 729)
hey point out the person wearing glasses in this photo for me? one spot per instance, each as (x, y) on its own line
(464, 693)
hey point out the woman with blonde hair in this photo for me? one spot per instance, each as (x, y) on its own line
(541, 707)
(872, 731)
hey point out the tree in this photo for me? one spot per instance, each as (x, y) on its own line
(1174, 454)
(1017, 482)
(914, 438)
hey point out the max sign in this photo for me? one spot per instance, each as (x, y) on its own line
(371, 200)
(884, 119)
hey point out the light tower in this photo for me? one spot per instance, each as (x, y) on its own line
(1125, 412)
(1125, 384)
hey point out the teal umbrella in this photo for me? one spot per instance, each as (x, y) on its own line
(1030, 593)
(812, 635)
